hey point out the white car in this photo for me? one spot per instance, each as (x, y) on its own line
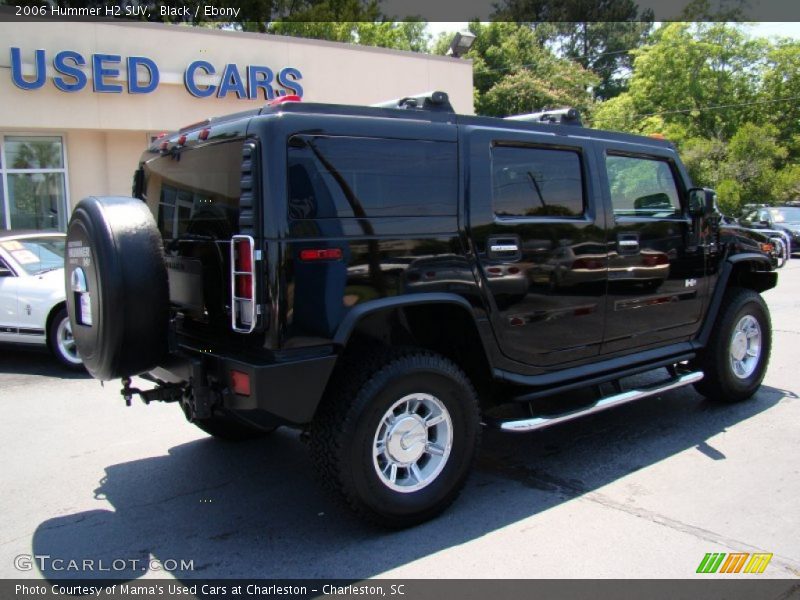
(32, 296)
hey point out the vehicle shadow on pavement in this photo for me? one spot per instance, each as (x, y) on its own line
(253, 510)
(23, 360)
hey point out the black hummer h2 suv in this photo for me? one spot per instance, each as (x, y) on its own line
(390, 279)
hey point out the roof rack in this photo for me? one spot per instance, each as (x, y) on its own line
(559, 116)
(433, 101)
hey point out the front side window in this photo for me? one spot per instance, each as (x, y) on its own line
(536, 182)
(642, 187)
(33, 183)
(340, 177)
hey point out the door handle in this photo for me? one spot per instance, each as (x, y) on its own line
(505, 247)
(627, 243)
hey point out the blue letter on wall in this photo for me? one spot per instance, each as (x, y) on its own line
(254, 83)
(231, 81)
(99, 72)
(78, 77)
(16, 71)
(133, 80)
(291, 85)
(188, 79)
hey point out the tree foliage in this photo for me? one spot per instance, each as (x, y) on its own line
(515, 74)
(598, 36)
(729, 102)
(403, 35)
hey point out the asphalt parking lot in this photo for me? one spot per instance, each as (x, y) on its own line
(642, 491)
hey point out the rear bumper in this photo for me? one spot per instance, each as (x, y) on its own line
(288, 390)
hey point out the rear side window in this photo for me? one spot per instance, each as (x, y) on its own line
(536, 182)
(335, 177)
(642, 187)
(196, 191)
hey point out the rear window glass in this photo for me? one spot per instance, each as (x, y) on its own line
(196, 191)
(355, 177)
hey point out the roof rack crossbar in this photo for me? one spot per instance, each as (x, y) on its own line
(434, 101)
(558, 116)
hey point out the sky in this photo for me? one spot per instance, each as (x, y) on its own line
(769, 30)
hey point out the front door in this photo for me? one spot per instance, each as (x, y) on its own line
(656, 266)
(540, 242)
(9, 314)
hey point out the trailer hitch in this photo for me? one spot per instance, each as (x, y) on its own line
(164, 392)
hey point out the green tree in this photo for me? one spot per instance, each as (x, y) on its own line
(780, 93)
(604, 48)
(703, 77)
(599, 36)
(754, 156)
(729, 197)
(402, 35)
(787, 184)
(514, 74)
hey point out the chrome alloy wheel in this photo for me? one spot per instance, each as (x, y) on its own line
(412, 443)
(745, 347)
(66, 343)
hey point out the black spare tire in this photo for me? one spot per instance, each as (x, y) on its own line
(117, 290)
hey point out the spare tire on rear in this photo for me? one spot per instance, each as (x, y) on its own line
(117, 290)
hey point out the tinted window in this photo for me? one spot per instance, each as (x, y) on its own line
(536, 182)
(356, 177)
(196, 191)
(642, 187)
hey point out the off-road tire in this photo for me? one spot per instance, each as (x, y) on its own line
(342, 436)
(720, 383)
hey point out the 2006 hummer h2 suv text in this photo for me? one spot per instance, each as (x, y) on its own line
(390, 279)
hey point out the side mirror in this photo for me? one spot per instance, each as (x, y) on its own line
(702, 202)
(764, 223)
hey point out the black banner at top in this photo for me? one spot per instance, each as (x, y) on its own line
(265, 11)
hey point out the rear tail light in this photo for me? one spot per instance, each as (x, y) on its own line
(240, 382)
(243, 284)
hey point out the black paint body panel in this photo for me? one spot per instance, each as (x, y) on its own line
(567, 298)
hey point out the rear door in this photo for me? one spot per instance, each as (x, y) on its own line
(540, 242)
(194, 194)
(656, 273)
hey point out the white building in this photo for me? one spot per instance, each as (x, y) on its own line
(74, 121)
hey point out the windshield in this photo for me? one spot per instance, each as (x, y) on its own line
(785, 215)
(36, 255)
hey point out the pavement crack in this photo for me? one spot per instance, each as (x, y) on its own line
(576, 490)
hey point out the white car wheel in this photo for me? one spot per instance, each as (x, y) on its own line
(62, 341)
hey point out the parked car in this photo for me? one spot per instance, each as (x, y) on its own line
(779, 218)
(32, 298)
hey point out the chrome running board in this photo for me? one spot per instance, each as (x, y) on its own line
(607, 402)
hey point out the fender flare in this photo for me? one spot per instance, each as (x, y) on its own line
(768, 277)
(358, 312)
